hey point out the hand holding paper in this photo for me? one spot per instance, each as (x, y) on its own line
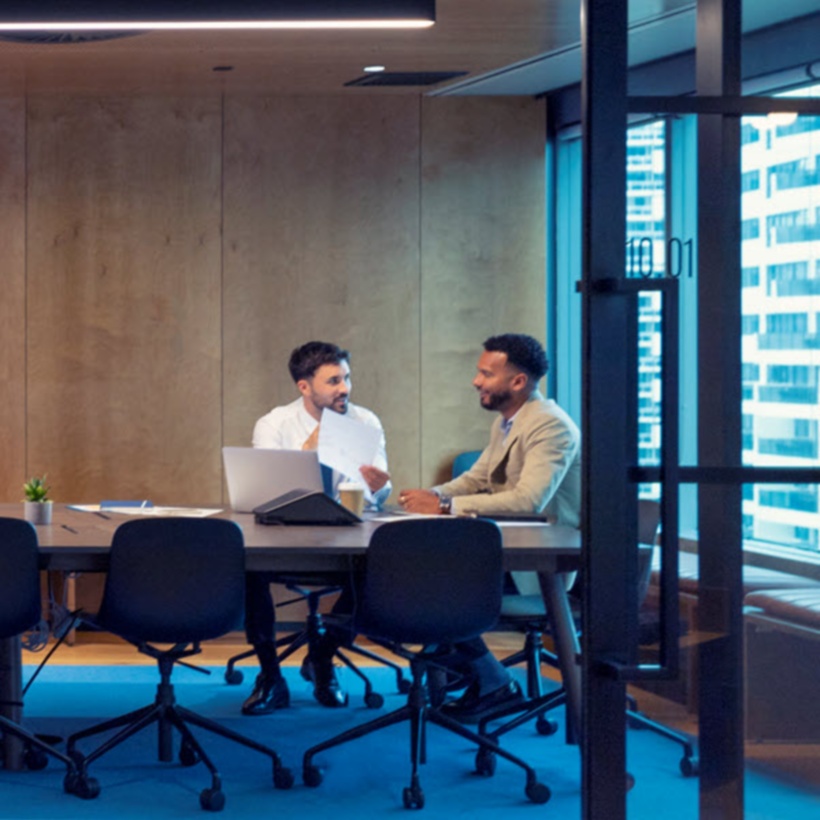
(346, 444)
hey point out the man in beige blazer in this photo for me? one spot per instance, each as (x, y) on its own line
(530, 467)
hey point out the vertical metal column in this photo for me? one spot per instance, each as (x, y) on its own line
(609, 421)
(719, 415)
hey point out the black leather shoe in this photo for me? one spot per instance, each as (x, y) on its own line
(326, 687)
(472, 707)
(268, 694)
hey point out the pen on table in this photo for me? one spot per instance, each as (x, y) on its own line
(102, 515)
(70, 529)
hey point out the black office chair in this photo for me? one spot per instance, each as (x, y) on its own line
(311, 588)
(20, 610)
(527, 614)
(428, 582)
(175, 581)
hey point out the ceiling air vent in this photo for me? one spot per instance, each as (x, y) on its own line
(395, 78)
(51, 37)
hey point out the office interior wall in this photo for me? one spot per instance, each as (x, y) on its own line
(123, 276)
(322, 242)
(483, 256)
(12, 300)
(176, 249)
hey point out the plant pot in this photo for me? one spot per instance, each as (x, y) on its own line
(38, 512)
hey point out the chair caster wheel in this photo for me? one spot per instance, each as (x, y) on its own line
(212, 799)
(690, 766)
(78, 757)
(312, 776)
(404, 686)
(546, 726)
(282, 777)
(234, 677)
(82, 786)
(413, 797)
(188, 756)
(35, 759)
(373, 700)
(538, 792)
(485, 762)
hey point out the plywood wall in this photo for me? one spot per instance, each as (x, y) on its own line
(483, 256)
(176, 250)
(12, 300)
(123, 321)
(322, 242)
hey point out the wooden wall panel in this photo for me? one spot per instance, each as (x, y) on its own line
(123, 337)
(483, 256)
(321, 242)
(12, 301)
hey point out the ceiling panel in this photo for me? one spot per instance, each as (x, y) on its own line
(504, 46)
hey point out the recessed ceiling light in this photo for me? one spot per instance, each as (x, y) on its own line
(373, 69)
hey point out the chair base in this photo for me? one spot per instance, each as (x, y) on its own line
(36, 752)
(315, 628)
(537, 708)
(419, 712)
(169, 715)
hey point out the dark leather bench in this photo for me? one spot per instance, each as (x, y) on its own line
(755, 580)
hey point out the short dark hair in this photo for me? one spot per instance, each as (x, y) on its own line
(307, 359)
(523, 352)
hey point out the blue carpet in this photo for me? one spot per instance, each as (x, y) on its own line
(362, 779)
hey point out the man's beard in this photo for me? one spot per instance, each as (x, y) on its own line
(495, 401)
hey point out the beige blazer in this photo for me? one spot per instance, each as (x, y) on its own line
(535, 469)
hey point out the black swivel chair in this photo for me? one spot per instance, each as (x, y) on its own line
(20, 610)
(527, 614)
(311, 588)
(176, 581)
(428, 582)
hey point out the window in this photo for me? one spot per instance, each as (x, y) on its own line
(646, 257)
(780, 302)
(785, 346)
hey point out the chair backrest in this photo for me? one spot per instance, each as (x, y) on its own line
(649, 520)
(463, 461)
(174, 580)
(20, 606)
(436, 580)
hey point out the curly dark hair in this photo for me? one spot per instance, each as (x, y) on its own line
(523, 352)
(307, 359)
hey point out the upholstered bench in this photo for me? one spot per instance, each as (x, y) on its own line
(782, 629)
(755, 579)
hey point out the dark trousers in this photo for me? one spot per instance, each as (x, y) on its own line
(260, 614)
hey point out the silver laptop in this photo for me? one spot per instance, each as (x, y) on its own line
(256, 475)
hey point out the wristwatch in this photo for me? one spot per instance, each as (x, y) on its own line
(445, 504)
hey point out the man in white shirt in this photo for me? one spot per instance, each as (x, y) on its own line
(532, 466)
(321, 372)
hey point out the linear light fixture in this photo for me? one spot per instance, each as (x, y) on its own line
(122, 15)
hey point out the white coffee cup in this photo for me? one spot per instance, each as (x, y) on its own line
(351, 496)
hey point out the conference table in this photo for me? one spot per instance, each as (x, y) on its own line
(79, 541)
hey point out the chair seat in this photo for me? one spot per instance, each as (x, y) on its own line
(523, 607)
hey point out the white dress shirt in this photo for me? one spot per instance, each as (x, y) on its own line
(289, 426)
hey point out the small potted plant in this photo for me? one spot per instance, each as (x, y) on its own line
(37, 506)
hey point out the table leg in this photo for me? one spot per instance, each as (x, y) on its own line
(554, 590)
(11, 698)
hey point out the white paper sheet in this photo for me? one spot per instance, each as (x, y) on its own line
(346, 444)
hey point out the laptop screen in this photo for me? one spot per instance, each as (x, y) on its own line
(255, 475)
